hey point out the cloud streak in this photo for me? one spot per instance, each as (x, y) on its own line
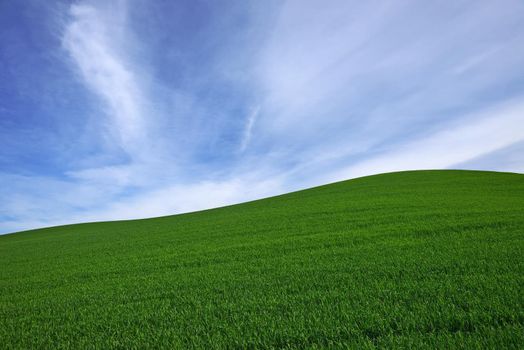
(88, 39)
(481, 134)
(248, 130)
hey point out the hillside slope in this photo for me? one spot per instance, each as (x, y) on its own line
(412, 259)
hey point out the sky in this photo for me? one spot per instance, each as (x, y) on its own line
(114, 110)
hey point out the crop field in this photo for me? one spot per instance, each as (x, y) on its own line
(419, 259)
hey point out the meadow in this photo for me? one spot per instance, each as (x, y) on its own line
(419, 259)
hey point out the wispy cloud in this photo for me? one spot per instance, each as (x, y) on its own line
(350, 81)
(248, 129)
(479, 134)
(90, 40)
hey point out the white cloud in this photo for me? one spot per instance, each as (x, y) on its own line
(77, 202)
(189, 197)
(91, 38)
(375, 68)
(248, 129)
(479, 134)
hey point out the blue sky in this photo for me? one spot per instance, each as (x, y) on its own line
(130, 109)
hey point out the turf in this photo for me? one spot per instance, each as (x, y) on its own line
(423, 259)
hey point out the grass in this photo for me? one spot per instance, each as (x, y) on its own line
(424, 259)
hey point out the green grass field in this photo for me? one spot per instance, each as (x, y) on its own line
(423, 259)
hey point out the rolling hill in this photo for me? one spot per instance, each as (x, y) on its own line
(424, 259)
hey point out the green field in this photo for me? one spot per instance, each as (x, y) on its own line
(422, 259)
